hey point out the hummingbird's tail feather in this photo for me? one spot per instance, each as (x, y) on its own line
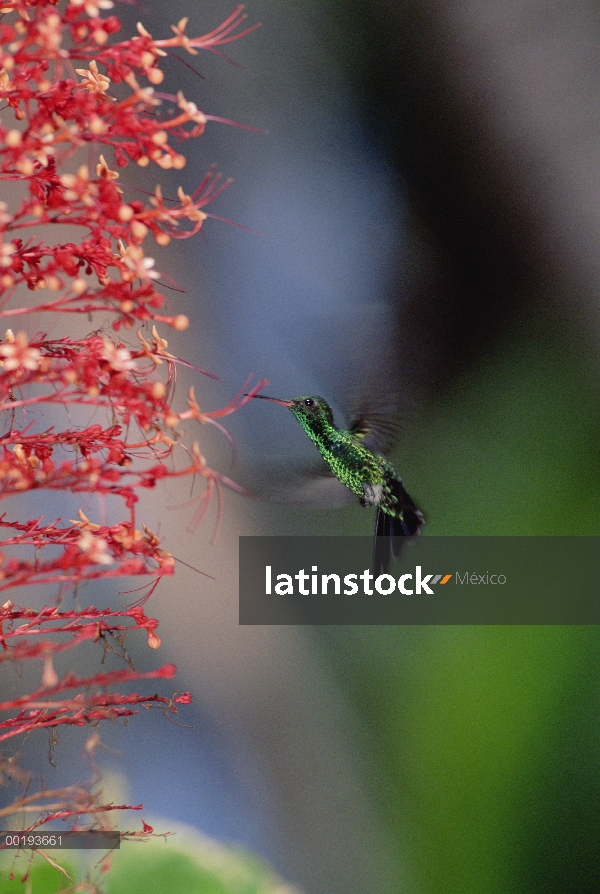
(390, 538)
(407, 514)
(382, 543)
(392, 532)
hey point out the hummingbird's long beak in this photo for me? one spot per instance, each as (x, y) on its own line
(275, 400)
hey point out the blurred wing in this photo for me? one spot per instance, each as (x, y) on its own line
(374, 394)
(285, 482)
(375, 422)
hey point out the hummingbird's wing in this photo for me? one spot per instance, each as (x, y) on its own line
(319, 487)
(375, 404)
(283, 481)
(376, 424)
(377, 393)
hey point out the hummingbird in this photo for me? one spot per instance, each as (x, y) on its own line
(353, 457)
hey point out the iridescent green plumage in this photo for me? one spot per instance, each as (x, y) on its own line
(364, 471)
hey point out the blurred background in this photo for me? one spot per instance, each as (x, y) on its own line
(426, 201)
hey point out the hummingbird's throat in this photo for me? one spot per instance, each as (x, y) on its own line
(317, 429)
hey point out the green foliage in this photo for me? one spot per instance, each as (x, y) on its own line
(183, 864)
(512, 450)
(43, 878)
(202, 867)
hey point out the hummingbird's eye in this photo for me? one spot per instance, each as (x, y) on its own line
(309, 402)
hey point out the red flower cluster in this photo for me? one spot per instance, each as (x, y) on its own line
(59, 108)
(61, 113)
(46, 707)
(66, 86)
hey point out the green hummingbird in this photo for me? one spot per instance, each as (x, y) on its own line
(352, 456)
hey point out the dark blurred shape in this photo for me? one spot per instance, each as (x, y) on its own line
(491, 112)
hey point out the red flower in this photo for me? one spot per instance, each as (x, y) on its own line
(57, 71)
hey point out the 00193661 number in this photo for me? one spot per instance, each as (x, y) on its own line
(29, 840)
(72, 840)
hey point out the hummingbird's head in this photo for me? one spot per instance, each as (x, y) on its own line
(313, 410)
